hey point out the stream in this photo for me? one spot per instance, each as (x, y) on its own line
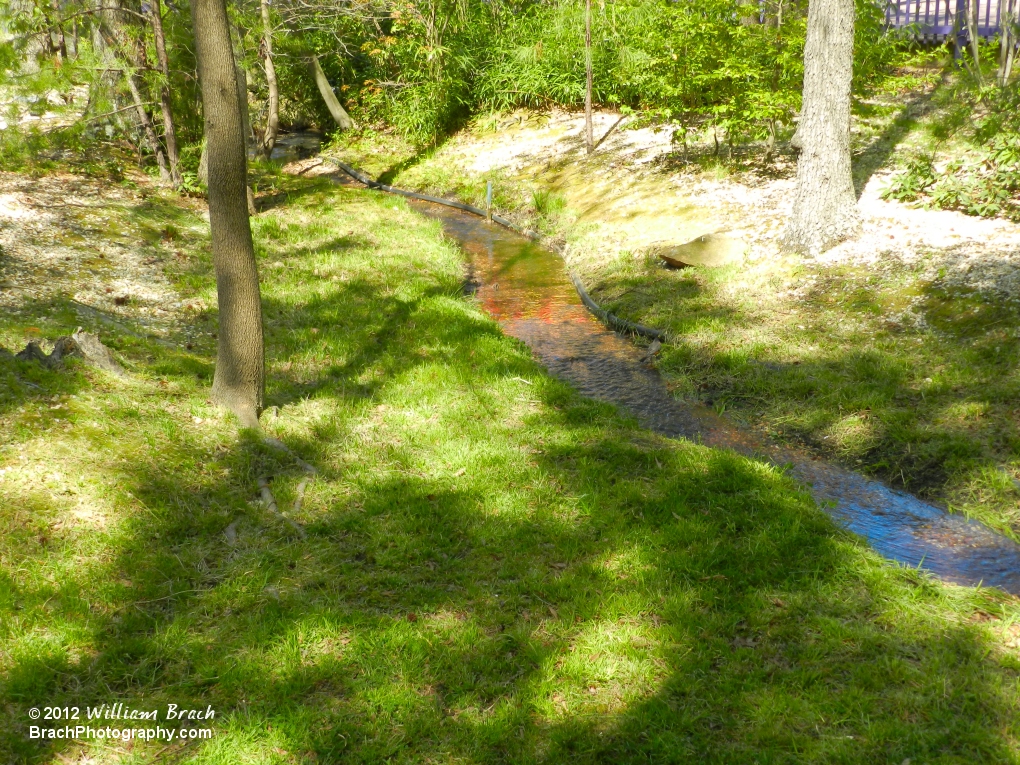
(526, 289)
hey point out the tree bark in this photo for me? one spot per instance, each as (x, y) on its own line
(239, 381)
(203, 165)
(147, 129)
(61, 42)
(341, 117)
(109, 32)
(163, 62)
(1007, 41)
(242, 89)
(825, 205)
(975, 39)
(273, 117)
(588, 136)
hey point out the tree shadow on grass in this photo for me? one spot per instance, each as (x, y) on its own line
(544, 583)
(877, 153)
(391, 173)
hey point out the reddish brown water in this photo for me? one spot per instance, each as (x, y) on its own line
(526, 289)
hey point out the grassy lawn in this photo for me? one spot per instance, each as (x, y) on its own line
(495, 569)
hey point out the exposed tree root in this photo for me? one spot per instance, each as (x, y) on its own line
(83, 344)
(270, 502)
(299, 495)
(280, 446)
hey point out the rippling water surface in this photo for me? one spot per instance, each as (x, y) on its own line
(525, 287)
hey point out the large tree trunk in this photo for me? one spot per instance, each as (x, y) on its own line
(589, 138)
(825, 205)
(239, 381)
(163, 62)
(273, 117)
(341, 117)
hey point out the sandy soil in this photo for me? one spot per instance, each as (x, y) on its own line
(63, 237)
(635, 192)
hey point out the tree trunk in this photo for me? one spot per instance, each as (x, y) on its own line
(1007, 41)
(61, 42)
(975, 39)
(111, 36)
(273, 117)
(147, 129)
(825, 205)
(163, 62)
(203, 165)
(588, 136)
(341, 117)
(239, 382)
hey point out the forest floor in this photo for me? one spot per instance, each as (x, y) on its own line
(490, 568)
(895, 353)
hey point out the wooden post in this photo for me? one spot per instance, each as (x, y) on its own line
(488, 201)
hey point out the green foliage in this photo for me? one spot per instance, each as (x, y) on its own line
(548, 202)
(734, 65)
(984, 183)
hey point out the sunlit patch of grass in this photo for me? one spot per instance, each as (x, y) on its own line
(495, 569)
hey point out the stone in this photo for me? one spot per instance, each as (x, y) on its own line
(708, 250)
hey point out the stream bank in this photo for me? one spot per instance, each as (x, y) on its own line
(894, 355)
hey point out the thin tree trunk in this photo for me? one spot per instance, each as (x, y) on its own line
(61, 42)
(588, 133)
(239, 381)
(273, 117)
(110, 34)
(975, 40)
(203, 165)
(241, 77)
(340, 116)
(147, 129)
(163, 62)
(825, 205)
(1007, 42)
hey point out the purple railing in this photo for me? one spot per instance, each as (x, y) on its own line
(936, 20)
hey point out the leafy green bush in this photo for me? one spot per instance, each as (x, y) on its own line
(988, 184)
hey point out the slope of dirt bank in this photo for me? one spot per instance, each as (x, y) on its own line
(638, 191)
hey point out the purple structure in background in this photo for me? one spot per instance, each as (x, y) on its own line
(937, 20)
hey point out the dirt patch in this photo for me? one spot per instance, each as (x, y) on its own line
(102, 247)
(637, 192)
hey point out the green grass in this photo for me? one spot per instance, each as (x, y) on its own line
(495, 569)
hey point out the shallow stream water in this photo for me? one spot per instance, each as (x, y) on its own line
(526, 289)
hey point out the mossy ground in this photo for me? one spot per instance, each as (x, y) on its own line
(495, 569)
